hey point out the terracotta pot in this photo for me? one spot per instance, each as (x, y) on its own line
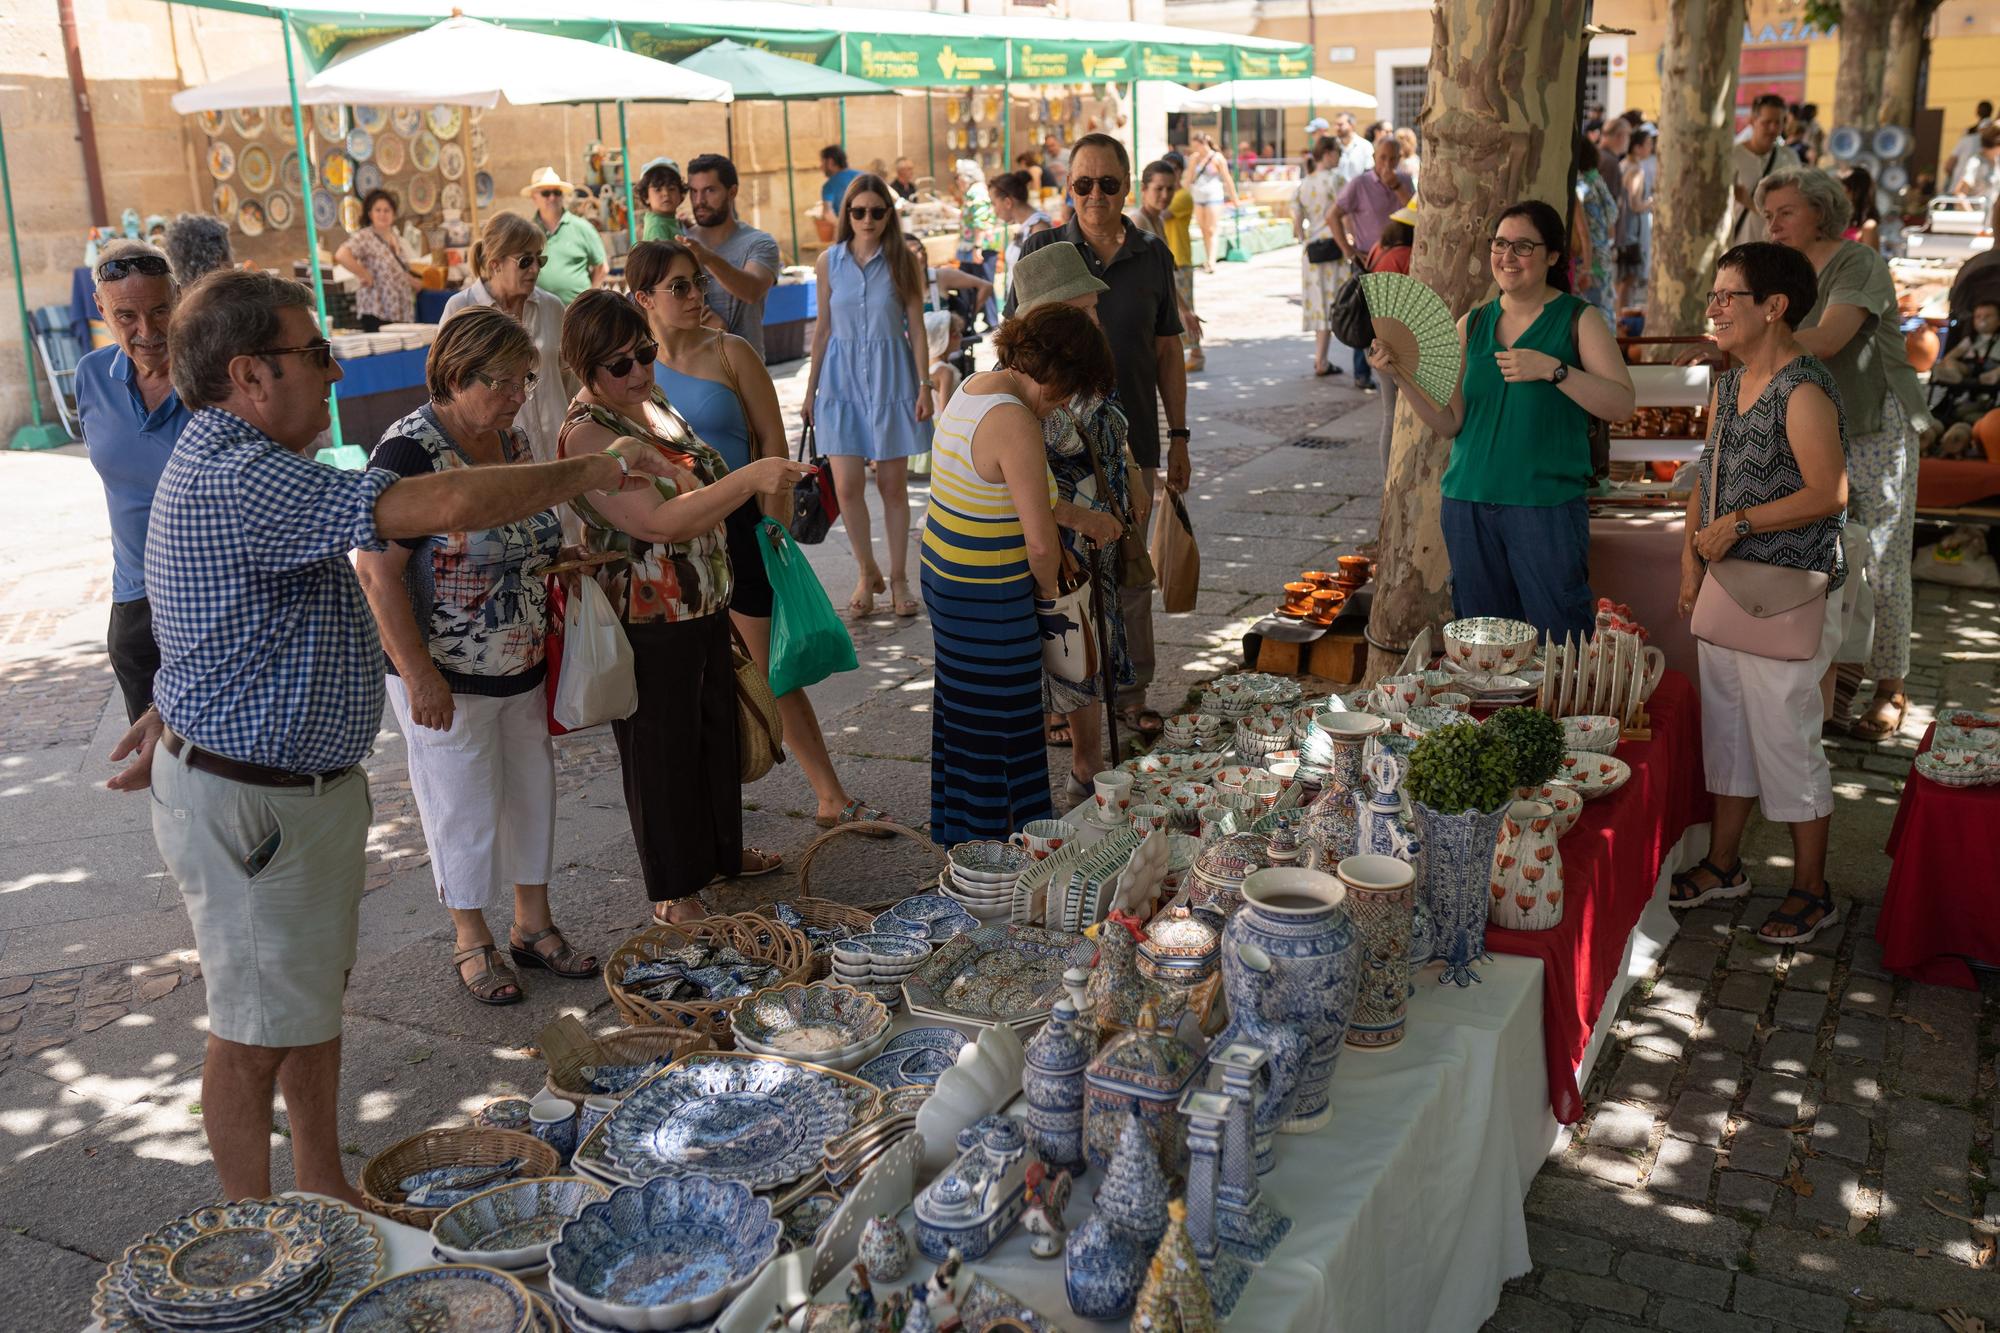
(1920, 344)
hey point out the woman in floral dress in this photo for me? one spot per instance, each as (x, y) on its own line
(1321, 282)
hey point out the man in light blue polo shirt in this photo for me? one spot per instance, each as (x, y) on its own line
(131, 418)
(833, 166)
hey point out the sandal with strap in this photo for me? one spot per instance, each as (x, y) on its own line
(565, 961)
(1146, 723)
(1883, 719)
(486, 984)
(663, 913)
(766, 863)
(1732, 883)
(1821, 902)
(1056, 731)
(856, 811)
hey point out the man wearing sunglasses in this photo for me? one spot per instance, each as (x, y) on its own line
(741, 262)
(131, 418)
(269, 695)
(1140, 315)
(572, 251)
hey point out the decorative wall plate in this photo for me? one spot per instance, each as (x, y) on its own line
(278, 210)
(390, 153)
(451, 161)
(288, 128)
(423, 194)
(250, 217)
(762, 1122)
(482, 189)
(371, 118)
(221, 160)
(424, 151)
(351, 217)
(222, 200)
(254, 168)
(452, 197)
(336, 172)
(479, 150)
(360, 144)
(444, 120)
(367, 179)
(248, 120)
(213, 122)
(406, 120)
(290, 178)
(447, 1296)
(326, 209)
(331, 122)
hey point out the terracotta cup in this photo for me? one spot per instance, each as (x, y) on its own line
(1353, 568)
(1298, 597)
(1319, 578)
(1326, 604)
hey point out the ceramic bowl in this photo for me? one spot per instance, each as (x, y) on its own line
(1452, 699)
(1592, 775)
(1595, 732)
(456, 1296)
(1428, 718)
(1957, 768)
(935, 1038)
(881, 949)
(1563, 799)
(1970, 719)
(1486, 645)
(664, 1254)
(890, 924)
(928, 907)
(513, 1226)
(987, 862)
(822, 1019)
(1948, 737)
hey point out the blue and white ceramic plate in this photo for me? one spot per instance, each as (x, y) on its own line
(948, 1040)
(898, 1069)
(371, 118)
(890, 924)
(226, 1255)
(664, 1254)
(406, 120)
(925, 907)
(997, 974)
(449, 1296)
(367, 178)
(803, 1224)
(894, 948)
(762, 1122)
(360, 144)
(513, 1226)
(482, 189)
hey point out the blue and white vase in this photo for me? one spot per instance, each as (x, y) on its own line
(1381, 898)
(1287, 1048)
(1458, 865)
(1053, 1082)
(1295, 921)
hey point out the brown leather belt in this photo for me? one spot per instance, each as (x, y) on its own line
(237, 771)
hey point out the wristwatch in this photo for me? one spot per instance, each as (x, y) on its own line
(1179, 433)
(1742, 524)
(1561, 373)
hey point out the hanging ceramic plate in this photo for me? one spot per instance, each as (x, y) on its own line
(351, 218)
(482, 189)
(254, 168)
(326, 210)
(248, 120)
(1890, 141)
(451, 162)
(1895, 177)
(360, 144)
(478, 137)
(444, 121)
(371, 118)
(452, 197)
(221, 160)
(1869, 163)
(1844, 142)
(288, 173)
(406, 120)
(278, 210)
(223, 199)
(331, 122)
(476, 114)
(390, 154)
(423, 193)
(214, 122)
(288, 128)
(424, 151)
(367, 178)
(337, 172)
(250, 217)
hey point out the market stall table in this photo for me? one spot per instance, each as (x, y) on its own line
(1941, 910)
(1635, 558)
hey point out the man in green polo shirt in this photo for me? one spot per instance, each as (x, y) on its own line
(573, 253)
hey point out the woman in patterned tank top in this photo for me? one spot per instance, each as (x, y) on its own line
(1778, 449)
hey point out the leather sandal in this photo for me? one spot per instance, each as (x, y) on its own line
(486, 984)
(1883, 719)
(1821, 902)
(1732, 883)
(565, 961)
(767, 863)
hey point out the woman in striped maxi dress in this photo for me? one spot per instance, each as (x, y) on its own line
(990, 554)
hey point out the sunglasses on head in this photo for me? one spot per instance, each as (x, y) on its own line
(642, 355)
(1082, 186)
(860, 211)
(151, 266)
(534, 261)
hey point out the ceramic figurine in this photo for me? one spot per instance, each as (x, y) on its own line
(1103, 1266)
(1381, 900)
(966, 1211)
(1052, 1082)
(1207, 1116)
(1527, 884)
(1133, 1193)
(860, 1297)
(1458, 860)
(1144, 1070)
(1175, 1297)
(1118, 991)
(1047, 1196)
(884, 1248)
(918, 1318)
(940, 1298)
(1251, 1227)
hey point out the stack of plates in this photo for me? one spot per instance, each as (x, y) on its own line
(927, 916)
(1082, 896)
(981, 877)
(1261, 733)
(512, 1227)
(825, 1023)
(877, 963)
(449, 1296)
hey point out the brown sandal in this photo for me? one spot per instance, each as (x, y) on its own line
(486, 984)
(663, 913)
(564, 962)
(1883, 718)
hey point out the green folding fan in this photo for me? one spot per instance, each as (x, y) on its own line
(1413, 322)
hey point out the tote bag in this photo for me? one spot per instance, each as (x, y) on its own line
(597, 683)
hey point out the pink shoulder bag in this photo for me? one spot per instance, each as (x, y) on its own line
(1772, 611)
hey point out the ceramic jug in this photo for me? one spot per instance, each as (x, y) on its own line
(1527, 880)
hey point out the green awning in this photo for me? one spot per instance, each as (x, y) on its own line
(763, 76)
(1051, 61)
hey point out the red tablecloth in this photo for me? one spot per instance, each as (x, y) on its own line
(1942, 905)
(1611, 864)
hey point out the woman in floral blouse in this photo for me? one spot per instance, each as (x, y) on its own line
(377, 257)
(672, 590)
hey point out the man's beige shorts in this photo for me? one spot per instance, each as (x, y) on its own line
(275, 945)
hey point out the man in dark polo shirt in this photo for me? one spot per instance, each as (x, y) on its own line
(1141, 320)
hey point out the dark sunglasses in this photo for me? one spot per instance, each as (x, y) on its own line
(534, 261)
(318, 353)
(548, 194)
(1082, 186)
(681, 288)
(643, 354)
(860, 211)
(113, 270)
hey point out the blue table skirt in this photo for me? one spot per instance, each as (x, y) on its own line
(82, 304)
(384, 373)
(788, 302)
(430, 306)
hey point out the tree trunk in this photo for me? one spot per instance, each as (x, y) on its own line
(1908, 25)
(1691, 209)
(1864, 44)
(1498, 121)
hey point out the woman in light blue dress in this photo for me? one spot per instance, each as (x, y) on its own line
(869, 396)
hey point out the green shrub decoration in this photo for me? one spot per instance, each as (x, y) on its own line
(1462, 767)
(1536, 740)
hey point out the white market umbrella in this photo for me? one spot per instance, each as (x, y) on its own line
(1178, 97)
(1272, 94)
(265, 85)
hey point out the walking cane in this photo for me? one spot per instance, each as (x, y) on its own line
(1104, 663)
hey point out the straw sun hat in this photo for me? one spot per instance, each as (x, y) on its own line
(545, 178)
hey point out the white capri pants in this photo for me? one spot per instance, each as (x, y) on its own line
(486, 792)
(1760, 725)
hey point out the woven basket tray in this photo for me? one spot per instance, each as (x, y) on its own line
(827, 915)
(868, 828)
(755, 937)
(567, 1048)
(477, 1146)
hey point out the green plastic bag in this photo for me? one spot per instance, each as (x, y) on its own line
(808, 642)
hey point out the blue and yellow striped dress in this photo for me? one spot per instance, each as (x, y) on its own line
(989, 764)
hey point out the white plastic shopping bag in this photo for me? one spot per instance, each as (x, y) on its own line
(596, 683)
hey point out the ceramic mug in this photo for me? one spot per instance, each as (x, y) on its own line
(1216, 821)
(1399, 694)
(554, 1121)
(1147, 818)
(1326, 604)
(1263, 790)
(1298, 597)
(1111, 790)
(594, 1112)
(1319, 578)
(1041, 837)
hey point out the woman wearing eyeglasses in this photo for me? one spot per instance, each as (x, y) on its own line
(508, 258)
(869, 395)
(377, 258)
(1539, 364)
(678, 751)
(462, 616)
(718, 384)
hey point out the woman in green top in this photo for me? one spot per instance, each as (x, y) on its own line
(661, 190)
(1854, 329)
(1539, 364)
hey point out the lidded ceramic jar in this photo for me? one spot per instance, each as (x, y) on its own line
(1222, 867)
(1144, 1070)
(1180, 949)
(1052, 1081)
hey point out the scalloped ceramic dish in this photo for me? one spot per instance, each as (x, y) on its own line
(513, 1226)
(665, 1254)
(1592, 775)
(815, 1022)
(997, 974)
(762, 1122)
(446, 1296)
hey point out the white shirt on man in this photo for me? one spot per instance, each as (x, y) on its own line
(1751, 167)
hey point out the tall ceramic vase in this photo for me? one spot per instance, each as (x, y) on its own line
(1527, 881)
(1333, 819)
(1381, 900)
(1458, 859)
(1294, 921)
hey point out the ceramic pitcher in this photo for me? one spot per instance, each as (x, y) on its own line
(1332, 820)
(1527, 880)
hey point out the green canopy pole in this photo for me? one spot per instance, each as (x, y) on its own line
(597, 109)
(791, 182)
(930, 132)
(625, 154)
(843, 121)
(1007, 120)
(339, 456)
(39, 434)
(1235, 254)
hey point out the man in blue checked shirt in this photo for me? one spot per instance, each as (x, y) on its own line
(269, 694)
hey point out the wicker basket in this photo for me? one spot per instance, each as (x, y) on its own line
(866, 828)
(381, 1178)
(755, 937)
(827, 915)
(568, 1048)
